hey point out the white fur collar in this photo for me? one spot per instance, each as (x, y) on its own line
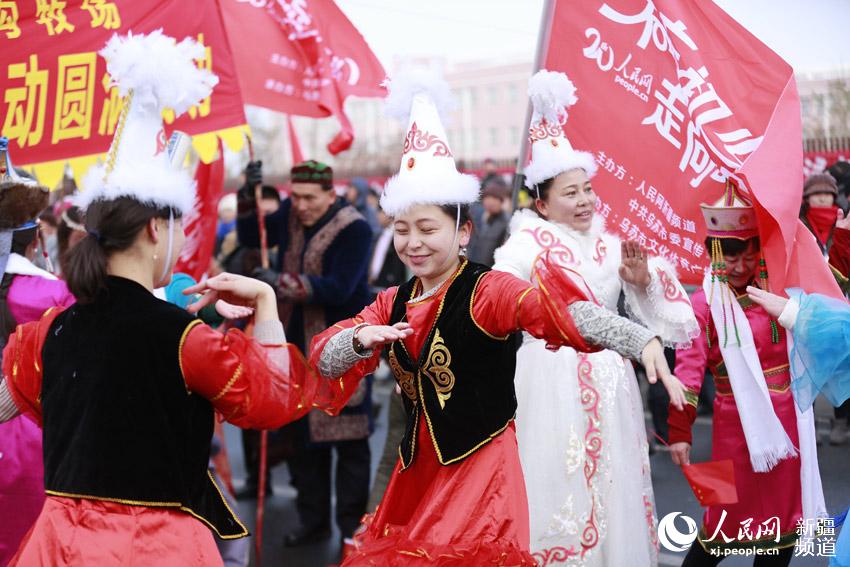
(19, 265)
(525, 218)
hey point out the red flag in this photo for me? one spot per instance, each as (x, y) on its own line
(297, 156)
(713, 482)
(59, 105)
(674, 97)
(200, 223)
(301, 57)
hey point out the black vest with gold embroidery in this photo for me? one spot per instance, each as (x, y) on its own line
(119, 423)
(463, 381)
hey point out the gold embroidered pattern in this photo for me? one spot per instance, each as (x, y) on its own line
(229, 384)
(402, 376)
(437, 369)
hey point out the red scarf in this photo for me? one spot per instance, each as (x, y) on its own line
(822, 220)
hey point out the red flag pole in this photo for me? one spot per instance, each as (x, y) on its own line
(264, 435)
(542, 45)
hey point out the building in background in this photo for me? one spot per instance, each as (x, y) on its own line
(487, 122)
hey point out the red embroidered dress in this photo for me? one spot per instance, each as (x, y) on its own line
(761, 496)
(472, 511)
(95, 518)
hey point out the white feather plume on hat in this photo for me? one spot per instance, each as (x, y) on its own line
(427, 175)
(153, 72)
(551, 93)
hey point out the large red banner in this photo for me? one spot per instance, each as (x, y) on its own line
(58, 103)
(302, 57)
(673, 98)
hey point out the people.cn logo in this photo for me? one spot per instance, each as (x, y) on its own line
(670, 536)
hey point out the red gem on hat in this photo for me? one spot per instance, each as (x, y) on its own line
(554, 142)
(411, 162)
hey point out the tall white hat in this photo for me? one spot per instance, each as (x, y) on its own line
(551, 94)
(427, 174)
(153, 72)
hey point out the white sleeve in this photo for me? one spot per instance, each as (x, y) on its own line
(516, 256)
(789, 314)
(663, 307)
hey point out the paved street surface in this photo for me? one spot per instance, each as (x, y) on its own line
(672, 494)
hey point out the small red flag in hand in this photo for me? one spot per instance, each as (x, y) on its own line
(713, 482)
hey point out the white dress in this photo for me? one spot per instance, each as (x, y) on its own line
(580, 422)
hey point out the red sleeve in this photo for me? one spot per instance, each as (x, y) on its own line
(22, 366)
(503, 304)
(251, 385)
(343, 387)
(691, 364)
(839, 254)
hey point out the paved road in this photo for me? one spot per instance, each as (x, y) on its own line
(671, 492)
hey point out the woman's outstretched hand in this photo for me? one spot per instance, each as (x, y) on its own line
(372, 336)
(656, 367)
(771, 302)
(238, 291)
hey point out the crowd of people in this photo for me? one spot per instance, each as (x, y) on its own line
(516, 429)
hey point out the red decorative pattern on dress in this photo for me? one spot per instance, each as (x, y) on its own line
(421, 141)
(558, 251)
(552, 555)
(544, 129)
(601, 251)
(672, 292)
(650, 521)
(592, 446)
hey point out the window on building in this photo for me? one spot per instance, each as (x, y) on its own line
(514, 135)
(473, 95)
(513, 93)
(473, 140)
(493, 94)
(494, 136)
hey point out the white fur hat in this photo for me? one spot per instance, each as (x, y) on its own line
(551, 94)
(153, 72)
(427, 174)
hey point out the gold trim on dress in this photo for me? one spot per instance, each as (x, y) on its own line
(519, 305)
(403, 377)
(472, 314)
(437, 369)
(156, 504)
(185, 334)
(229, 384)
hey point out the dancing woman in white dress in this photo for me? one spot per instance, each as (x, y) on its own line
(580, 424)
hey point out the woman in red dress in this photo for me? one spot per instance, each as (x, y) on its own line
(124, 385)
(457, 495)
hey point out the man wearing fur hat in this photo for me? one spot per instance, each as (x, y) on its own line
(323, 260)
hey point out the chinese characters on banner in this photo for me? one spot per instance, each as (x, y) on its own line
(671, 108)
(58, 103)
(301, 57)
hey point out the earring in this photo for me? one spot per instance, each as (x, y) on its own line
(463, 252)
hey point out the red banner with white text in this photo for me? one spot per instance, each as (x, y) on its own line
(302, 57)
(58, 104)
(673, 98)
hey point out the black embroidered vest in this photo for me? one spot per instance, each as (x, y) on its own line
(119, 422)
(463, 380)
